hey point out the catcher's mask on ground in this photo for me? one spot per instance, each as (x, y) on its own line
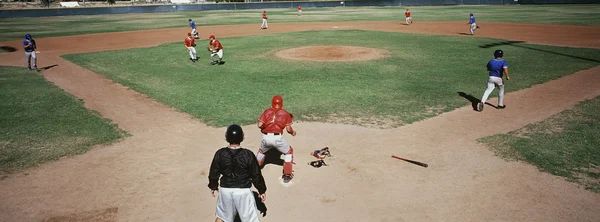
(277, 102)
(211, 37)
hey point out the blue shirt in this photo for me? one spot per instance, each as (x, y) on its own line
(496, 67)
(29, 48)
(472, 19)
(193, 25)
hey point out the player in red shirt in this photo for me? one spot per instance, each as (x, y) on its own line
(264, 25)
(299, 10)
(272, 122)
(408, 19)
(189, 44)
(215, 47)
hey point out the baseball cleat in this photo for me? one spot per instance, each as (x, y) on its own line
(501, 107)
(480, 106)
(287, 178)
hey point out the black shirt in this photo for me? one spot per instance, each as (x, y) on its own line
(242, 172)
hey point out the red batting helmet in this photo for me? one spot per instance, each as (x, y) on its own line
(277, 102)
(189, 34)
(211, 37)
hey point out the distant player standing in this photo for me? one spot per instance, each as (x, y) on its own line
(193, 26)
(190, 44)
(408, 19)
(29, 46)
(472, 26)
(496, 68)
(264, 25)
(215, 47)
(299, 10)
(271, 123)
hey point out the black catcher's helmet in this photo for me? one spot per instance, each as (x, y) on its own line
(498, 53)
(234, 134)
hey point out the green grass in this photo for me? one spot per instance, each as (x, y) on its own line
(40, 122)
(421, 79)
(564, 145)
(12, 29)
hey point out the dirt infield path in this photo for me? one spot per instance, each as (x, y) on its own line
(159, 173)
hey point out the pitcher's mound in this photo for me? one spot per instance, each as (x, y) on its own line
(333, 53)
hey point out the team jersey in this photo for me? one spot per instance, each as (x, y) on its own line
(275, 120)
(299, 7)
(189, 42)
(407, 14)
(496, 67)
(216, 44)
(472, 19)
(31, 47)
(193, 24)
(264, 15)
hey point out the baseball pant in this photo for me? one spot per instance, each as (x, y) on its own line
(408, 20)
(194, 32)
(192, 52)
(218, 53)
(270, 141)
(264, 24)
(299, 12)
(29, 56)
(234, 201)
(494, 81)
(473, 27)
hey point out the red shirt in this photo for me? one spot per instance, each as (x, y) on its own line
(189, 41)
(274, 120)
(407, 13)
(299, 7)
(264, 15)
(216, 44)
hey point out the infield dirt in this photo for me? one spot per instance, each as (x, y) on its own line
(160, 173)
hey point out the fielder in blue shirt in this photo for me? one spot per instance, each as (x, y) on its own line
(29, 47)
(496, 67)
(193, 26)
(472, 26)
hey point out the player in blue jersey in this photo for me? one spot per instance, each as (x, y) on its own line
(472, 25)
(193, 26)
(496, 67)
(29, 47)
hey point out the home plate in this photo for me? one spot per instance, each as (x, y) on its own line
(288, 184)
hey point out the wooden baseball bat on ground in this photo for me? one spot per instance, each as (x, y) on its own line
(411, 161)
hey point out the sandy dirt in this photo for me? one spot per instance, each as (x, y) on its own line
(160, 173)
(332, 53)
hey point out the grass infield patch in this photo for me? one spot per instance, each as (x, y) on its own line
(565, 144)
(39, 122)
(420, 79)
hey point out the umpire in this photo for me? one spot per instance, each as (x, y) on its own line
(237, 169)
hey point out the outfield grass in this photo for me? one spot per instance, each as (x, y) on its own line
(564, 145)
(420, 79)
(40, 122)
(12, 29)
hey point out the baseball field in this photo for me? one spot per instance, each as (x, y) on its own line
(119, 124)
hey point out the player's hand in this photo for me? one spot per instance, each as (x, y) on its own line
(294, 133)
(213, 192)
(263, 197)
(507, 78)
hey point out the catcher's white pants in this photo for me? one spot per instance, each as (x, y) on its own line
(408, 20)
(218, 53)
(264, 24)
(494, 81)
(270, 141)
(473, 27)
(234, 201)
(192, 52)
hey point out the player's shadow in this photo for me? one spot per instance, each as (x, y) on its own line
(48, 67)
(8, 48)
(464, 33)
(260, 206)
(474, 101)
(518, 44)
(273, 156)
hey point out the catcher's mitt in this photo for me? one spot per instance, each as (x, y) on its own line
(292, 116)
(210, 49)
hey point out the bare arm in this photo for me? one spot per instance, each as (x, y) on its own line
(506, 72)
(290, 130)
(260, 125)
